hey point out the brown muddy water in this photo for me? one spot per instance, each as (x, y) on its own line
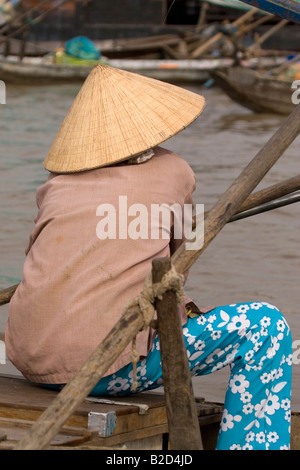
(254, 259)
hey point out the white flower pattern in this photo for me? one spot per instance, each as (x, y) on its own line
(255, 341)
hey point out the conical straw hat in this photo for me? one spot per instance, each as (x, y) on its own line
(116, 115)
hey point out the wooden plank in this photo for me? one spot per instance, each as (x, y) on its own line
(18, 392)
(22, 403)
(15, 429)
(23, 400)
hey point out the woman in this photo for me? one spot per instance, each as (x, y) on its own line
(96, 234)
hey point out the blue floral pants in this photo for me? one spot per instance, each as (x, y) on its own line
(254, 340)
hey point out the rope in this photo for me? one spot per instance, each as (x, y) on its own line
(146, 299)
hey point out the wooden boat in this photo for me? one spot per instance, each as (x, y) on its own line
(33, 70)
(258, 91)
(43, 70)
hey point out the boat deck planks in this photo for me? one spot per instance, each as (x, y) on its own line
(21, 403)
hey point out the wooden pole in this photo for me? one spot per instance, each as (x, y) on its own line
(245, 29)
(272, 192)
(184, 430)
(269, 33)
(24, 42)
(211, 41)
(67, 401)
(202, 16)
(6, 294)
(268, 206)
(263, 196)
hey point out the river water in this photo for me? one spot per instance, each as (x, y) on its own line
(254, 259)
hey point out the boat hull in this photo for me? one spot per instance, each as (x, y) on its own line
(37, 71)
(256, 91)
(34, 72)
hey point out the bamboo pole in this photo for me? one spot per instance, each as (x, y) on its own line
(130, 323)
(211, 41)
(245, 29)
(183, 424)
(202, 16)
(269, 33)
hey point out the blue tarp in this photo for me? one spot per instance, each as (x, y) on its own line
(82, 48)
(287, 9)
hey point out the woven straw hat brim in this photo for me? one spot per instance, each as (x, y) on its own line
(119, 114)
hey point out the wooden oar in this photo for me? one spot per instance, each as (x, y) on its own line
(270, 193)
(268, 206)
(6, 294)
(131, 321)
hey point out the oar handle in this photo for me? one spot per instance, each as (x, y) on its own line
(6, 294)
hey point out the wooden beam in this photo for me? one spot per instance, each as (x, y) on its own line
(184, 430)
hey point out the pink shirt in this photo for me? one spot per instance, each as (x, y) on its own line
(75, 284)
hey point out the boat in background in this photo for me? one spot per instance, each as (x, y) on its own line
(258, 91)
(42, 70)
(45, 71)
(180, 57)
